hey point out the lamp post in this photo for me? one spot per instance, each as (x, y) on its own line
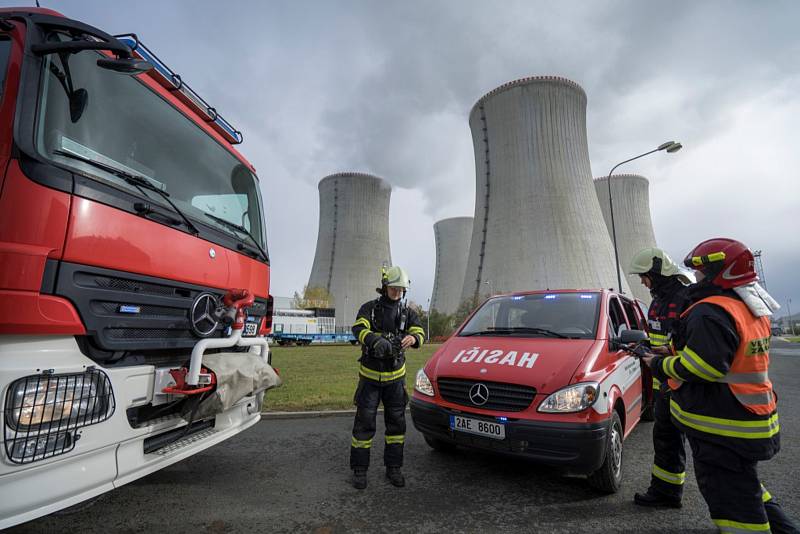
(428, 330)
(789, 307)
(670, 147)
(489, 283)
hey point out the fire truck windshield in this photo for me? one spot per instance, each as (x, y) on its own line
(109, 126)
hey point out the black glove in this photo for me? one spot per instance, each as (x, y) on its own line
(382, 348)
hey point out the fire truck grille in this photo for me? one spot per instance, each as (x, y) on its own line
(501, 397)
(131, 312)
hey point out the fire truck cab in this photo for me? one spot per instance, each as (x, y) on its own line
(134, 273)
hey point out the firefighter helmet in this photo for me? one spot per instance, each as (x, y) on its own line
(394, 276)
(724, 262)
(653, 260)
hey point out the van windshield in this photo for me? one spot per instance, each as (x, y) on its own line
(107, 125)
(557, 315)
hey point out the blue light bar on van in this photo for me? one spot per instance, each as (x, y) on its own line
(173, 83)
(550, 297)
(587, 296)
(518, 297)
(502, 418)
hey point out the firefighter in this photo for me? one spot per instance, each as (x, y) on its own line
(669, 289)
(385, 327)
(724, 401)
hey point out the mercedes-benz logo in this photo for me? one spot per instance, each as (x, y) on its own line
(479, 394)
(202, 316)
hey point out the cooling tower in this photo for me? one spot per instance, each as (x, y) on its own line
(537, 224)
(452, 248)
(634, 227)
(353, 240)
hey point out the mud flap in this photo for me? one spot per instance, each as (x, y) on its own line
(239, 374)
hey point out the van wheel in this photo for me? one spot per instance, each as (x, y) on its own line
(439, 445)
(608, 478)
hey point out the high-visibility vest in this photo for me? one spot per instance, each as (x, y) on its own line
(748, 377)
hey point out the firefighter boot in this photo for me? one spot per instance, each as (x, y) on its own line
(395, 476)
(360, 478)
(656, 500)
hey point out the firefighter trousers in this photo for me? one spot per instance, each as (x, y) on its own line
(369, 395)
(736, 499)
(669, 459)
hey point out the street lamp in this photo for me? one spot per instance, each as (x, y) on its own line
(489, 283)
(789, 307)
(670, 147)
(428, 330)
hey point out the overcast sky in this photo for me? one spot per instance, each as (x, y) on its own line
(386, 88)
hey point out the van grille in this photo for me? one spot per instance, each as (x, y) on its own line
(502, 397)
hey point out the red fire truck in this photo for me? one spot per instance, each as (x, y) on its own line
(134, 273)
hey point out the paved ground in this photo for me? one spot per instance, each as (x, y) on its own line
(291, 475)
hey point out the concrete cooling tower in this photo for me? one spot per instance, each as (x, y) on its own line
(353, 240)
(634, 226)
(538, 224)
(452, 249)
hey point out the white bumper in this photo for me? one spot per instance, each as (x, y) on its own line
(108, 454)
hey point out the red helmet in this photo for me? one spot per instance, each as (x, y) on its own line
(726, 263)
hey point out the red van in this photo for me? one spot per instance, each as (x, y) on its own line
(541, 375)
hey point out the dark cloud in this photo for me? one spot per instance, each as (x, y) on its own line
(386, 87)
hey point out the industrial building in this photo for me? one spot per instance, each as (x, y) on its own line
(632, 221)
(452, 249)
(353, 240)
(537, 221)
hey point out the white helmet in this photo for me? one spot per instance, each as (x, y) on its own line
(395, 276)
(654, 260)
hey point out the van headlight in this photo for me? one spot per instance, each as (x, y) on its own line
(423, 384)
(572, 398)
(43, 411)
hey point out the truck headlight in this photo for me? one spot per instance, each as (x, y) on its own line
(572, 398)
(423, 384)
(43, 411)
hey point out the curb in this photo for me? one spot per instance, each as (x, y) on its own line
(311, 414)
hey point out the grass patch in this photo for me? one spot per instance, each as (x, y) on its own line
(793, 339)
(324, 377)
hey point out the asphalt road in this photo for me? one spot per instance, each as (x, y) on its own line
(291, 475)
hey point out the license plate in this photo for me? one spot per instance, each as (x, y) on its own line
(478, 426)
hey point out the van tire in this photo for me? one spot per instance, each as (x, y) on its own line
(439, 445)
(608, 478)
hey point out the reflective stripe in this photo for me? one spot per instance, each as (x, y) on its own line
(395, 439)
(765, 495)
(668, 366)
(657, 340)
(714, 256)
(378, 376)
(762, 429)
(726, 525)
(673, 478)
(753, 399)
(698, 366)
(419, 333)
(361, 443)
(363, 334)
(362, 321)
(756, 377)
(656, 383)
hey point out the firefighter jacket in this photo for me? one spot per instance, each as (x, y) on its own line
(385, 318)
(670, 298)
(721, 361)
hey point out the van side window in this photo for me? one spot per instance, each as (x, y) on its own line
(617, 317)
(634, 319)
(5, 51)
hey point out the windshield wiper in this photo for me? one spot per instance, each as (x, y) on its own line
(243, 230)
(140, 182)
(490, 332)
(515, 330)
(532, 330)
